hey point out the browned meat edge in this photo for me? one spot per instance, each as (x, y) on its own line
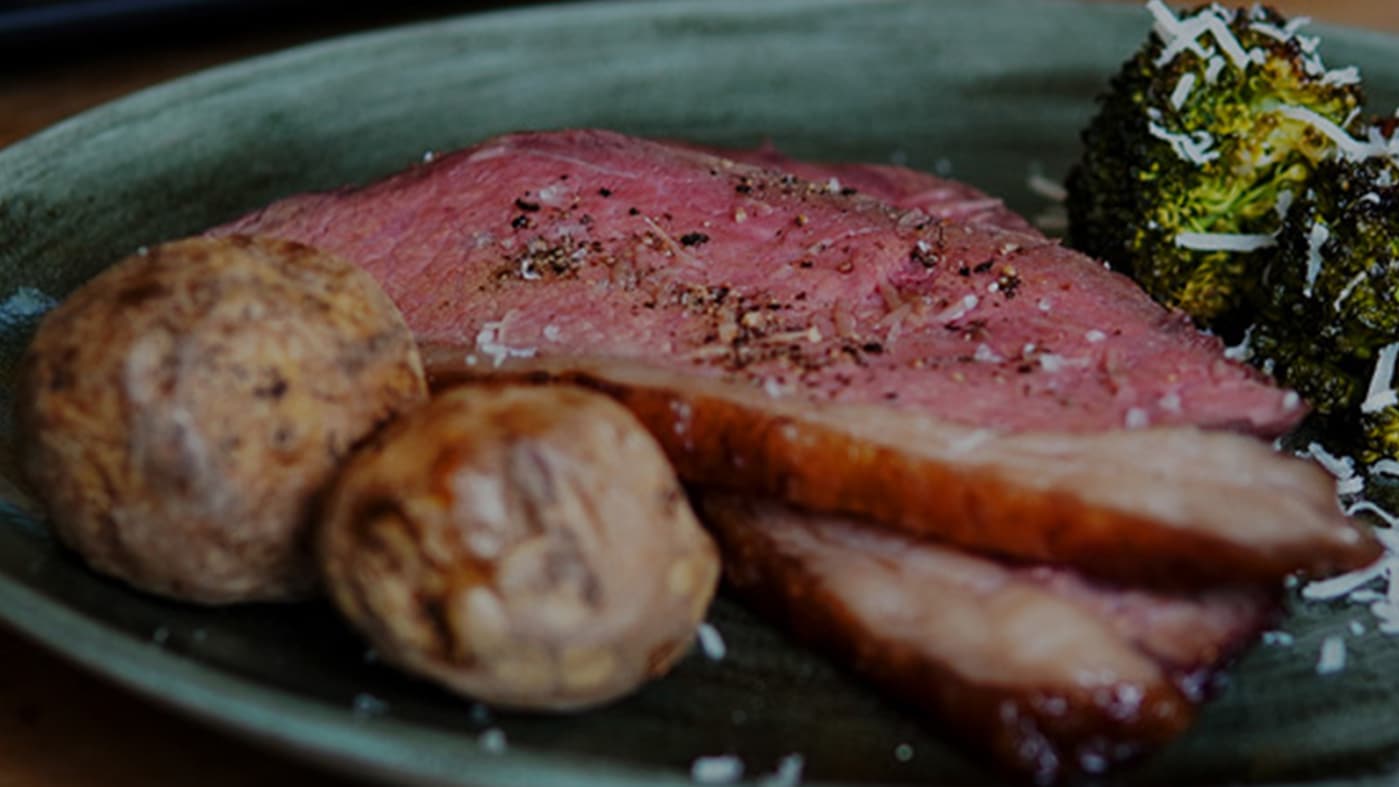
(1174, 507)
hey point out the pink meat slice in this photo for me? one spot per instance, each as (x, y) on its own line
(594, 243)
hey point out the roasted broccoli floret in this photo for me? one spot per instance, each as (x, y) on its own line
(1329, 323)
(1201, 142)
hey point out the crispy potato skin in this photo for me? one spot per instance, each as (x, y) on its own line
(180, 413)
(526, 546)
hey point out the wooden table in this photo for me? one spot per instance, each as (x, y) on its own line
(59, 726)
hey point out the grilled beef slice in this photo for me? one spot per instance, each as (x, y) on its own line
(1171, 506)
(1050, 673)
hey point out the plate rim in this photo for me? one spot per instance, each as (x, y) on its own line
(323, 733)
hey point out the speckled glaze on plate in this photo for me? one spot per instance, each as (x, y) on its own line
(989, 90)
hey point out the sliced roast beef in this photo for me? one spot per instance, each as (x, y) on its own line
(595, 243)
(1167, 505)
(899, 186)
(1053, 674)
(572, 244)
(938, 367)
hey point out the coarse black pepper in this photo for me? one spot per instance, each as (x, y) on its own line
(923, 254)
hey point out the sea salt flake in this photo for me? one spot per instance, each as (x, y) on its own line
(367, 705)
(711, 642)
(984, 354)
(789, 772)
(1333, 656)
(723, 769)
(493, 741)
(1136, 418)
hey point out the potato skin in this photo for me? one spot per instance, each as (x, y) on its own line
(180, 413)
(526, 546)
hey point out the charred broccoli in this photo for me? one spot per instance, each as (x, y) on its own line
(1329, 323)
(1200, 144)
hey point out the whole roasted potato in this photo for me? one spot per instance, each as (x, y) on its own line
(526, 546)
(179, 414)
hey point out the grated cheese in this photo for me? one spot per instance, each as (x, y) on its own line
(1350, 486)
(723, 769)
(1333, 656)
(24, 307)
(1094, 336)
(368, 705)
(1366, 505)
(493, 741)
(1270, 30)
(1380, 394)
(1178, 36)
(1347, 290)
(1350, 75)
(1316, 238)
(1044, 187)
(490, 340)
(1385, 467)
(1244, 349)
(1349, 146)
(1224, 241)
(1346, 583)
(1213, 67)
(789, 772)
(1283, 203)
(1342, 467)
(1183, 88)
(1194, 148)
(711, 642)
(1211, 20)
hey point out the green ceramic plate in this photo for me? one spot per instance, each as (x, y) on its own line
(989, 90)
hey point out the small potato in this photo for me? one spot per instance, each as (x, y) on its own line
(527, 546)
(180, 414)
